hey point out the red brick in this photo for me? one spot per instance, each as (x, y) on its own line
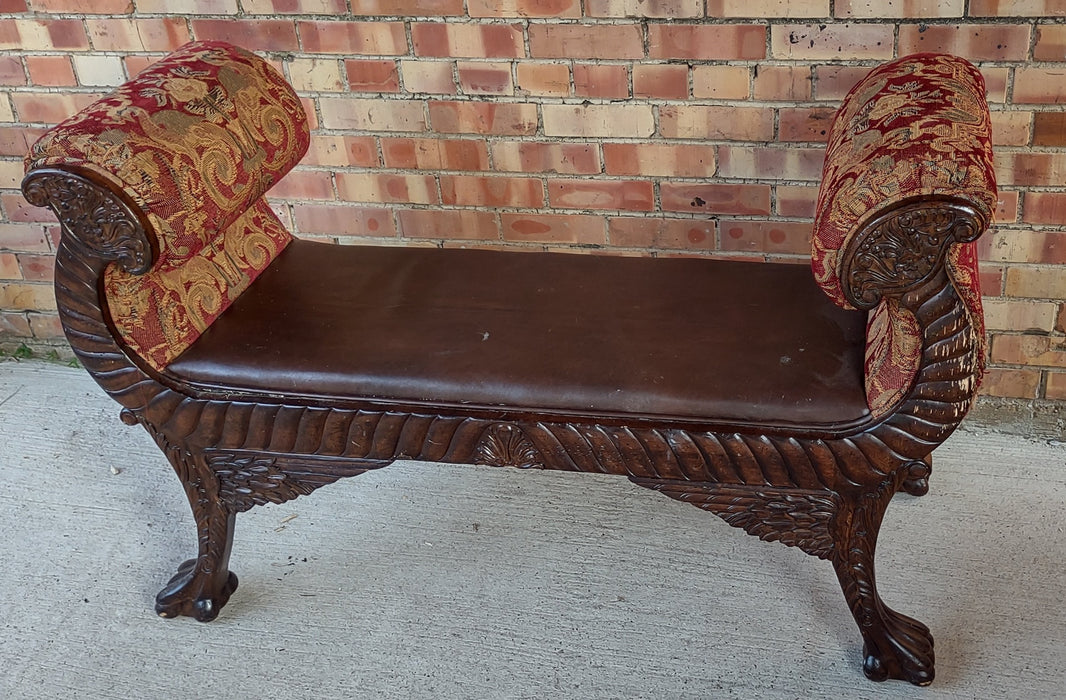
(13, 6)
(658, 159)
(50, 107)
(1027, 316)
(16, 140)
(991, 280)
(498, 191)
(51, 71)
(669, 81)
(295, 7)
(834, 82)
(23, 237)
(598, 120)
(805, 124)
(865, 9)
(9, 267)
(191, 7)
(368, 38)
(387, 187)
(792, 83)
(428, 76)
(716, 123)
(43, 34)
(14, 324)
(721, 82)
(435, 154)
(372, 75)
(401, 8)
(714, 199)
(46, 326)
(604, 81)
(1017, 8)
(1049, 129)
(1056, 386)
(1027, 169)
(766, 236)
(136, 64)
(372, 114)
(837, 41)
(1007, 207)
(343, 220)
(539, 157)
(770, 163)
(342, 151)
(1040, 85)
(1011, 383)
(524, 8)
(27, 296)
(600, 41)
(449, 40)
(665, 9)
(1045, 208)
(154, 34)
(449, 224)
(797, 201)
(1029, 350)
(553, 228)
(1050, 43)
(12, 72)
(303, 184)
(483, 117)
(261, 34)
(37, 268)
(715, 42)
(649, 232)
(550, 79)
(977, 42)
(995, 83)
(768, 8)
(1010, 128)
(628, 195)
(485, 78)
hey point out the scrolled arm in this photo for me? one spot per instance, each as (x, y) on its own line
(901, 248)
(99, 219)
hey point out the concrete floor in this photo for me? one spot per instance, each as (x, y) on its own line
(430, 581)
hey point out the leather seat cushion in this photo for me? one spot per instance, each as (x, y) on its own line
(537, 332)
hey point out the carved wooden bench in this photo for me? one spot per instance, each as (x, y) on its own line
(794, 406)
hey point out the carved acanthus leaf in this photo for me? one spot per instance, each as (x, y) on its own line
(96, 218)
(902, 249)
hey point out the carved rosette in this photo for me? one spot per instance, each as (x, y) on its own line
(901, 249)
(505, 445)
(93, 216)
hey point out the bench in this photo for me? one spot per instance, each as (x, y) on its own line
(793, 405)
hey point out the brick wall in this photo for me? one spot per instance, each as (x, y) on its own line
(646, 127)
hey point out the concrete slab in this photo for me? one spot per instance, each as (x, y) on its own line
(434, 581)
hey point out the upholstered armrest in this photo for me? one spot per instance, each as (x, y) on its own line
(190, 145)
(908, 186)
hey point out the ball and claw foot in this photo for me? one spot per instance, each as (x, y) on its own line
(903, 652)
(917, 481)
(185, 595)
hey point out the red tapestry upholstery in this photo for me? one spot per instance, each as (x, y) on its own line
(916, 126)
(196, 139)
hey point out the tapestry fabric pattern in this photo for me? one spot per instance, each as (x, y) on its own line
(231, 127)
(917, 126)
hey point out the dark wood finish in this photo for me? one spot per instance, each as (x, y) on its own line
(823, 489)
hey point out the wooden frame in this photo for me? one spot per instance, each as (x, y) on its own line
(822, 489)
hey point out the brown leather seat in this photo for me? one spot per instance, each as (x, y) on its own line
(539, 332)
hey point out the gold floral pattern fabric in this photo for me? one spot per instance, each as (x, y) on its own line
(917, 126)
(195, 140)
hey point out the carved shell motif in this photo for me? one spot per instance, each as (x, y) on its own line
(504, 445)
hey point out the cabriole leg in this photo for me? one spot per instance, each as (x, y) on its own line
(202, 585)
(895, 646)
